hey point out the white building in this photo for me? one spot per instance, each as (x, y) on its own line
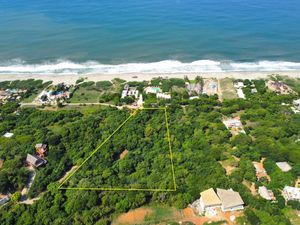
(209, 200)
(193, 97)
(239, 84)
(231, 200)
(227, 200)
(163, 95)
(240, 93)
(8, 135)
(284, 166)
(140, 102)
(130, 91)
(291, 193)
(265, 193)
(296, 107)
(253, 90)
(296, 103)
(152, 90)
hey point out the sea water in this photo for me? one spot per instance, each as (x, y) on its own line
(123, 36)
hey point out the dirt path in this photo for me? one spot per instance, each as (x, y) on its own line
(123, 154)
(67, 174)
(27, 187)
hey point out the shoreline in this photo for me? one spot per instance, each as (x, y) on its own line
(71, 78)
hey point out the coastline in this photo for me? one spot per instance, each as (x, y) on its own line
(71, 78)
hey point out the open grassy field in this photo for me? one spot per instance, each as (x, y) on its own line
(293, 83)
(84, 95)
(292, 215)
(227, 88)
(30, 98)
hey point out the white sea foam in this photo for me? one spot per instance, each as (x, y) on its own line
(166, 66)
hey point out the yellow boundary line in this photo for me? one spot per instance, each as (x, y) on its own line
(125, 189)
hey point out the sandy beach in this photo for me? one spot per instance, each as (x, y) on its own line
(71, 78)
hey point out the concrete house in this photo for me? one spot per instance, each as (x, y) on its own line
(291, 193)
(231, 200)
(152, 90)
(35, 160)
(284, 166)
(163, 96)
(209, 199)
(129, 91)
(265, 193)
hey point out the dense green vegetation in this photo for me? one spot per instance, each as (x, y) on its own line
(199, 141)
(145, 164)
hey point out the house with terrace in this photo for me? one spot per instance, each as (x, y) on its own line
(129, 92)
(35, 160)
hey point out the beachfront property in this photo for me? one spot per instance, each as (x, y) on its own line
(165, 96)
(210, 87)
(3, 96)
(239, 85)
(266, 193)
(279, 87)
(193, 88)
(296, 106)
(55, 94)
(8, 135)
(35, 160)
(140, 102)
(4, 199)
(234, 125)
(240, 93)
(158, 92)
(253, 90)
(210, 201)
(129, 92)
(284, 166)
(152, 90)
(291, 193)
(11, 95)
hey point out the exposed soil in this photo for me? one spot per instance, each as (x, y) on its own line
(138, 216)
(123, 154)
(133, 217)
(1, 163)
(67, 173)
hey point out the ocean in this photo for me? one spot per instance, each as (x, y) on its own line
(148, 36)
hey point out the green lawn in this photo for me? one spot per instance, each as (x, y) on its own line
(293, 83)
(84, 95)
(162, 214)
(227, 88)
(292, 215)
(30, 98)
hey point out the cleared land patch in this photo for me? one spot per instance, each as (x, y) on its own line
(227, 88)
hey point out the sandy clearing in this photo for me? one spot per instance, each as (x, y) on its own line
(71, 78)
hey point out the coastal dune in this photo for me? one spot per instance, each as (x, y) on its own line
(71, 78)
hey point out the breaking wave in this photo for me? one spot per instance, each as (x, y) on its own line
(166, 66)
